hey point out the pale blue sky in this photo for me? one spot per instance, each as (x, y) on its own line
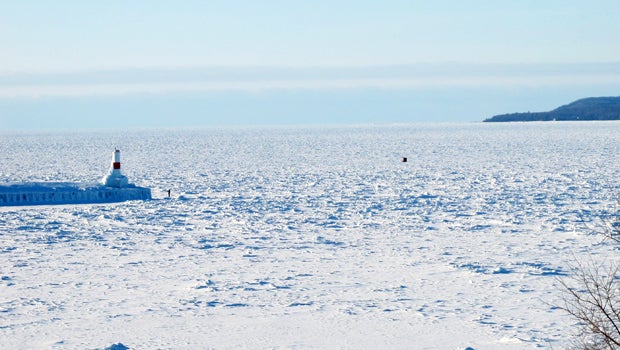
(67, 61)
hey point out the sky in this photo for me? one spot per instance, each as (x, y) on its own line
(105, 64)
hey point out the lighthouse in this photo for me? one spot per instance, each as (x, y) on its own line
(115, 178)
(112, 188)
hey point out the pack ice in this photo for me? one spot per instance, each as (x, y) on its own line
(309, 237)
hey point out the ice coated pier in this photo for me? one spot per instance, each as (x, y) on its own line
(41, 193)
(114, 187)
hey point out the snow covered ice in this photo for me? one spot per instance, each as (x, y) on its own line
(308, 237)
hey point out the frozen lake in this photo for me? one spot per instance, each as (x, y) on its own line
(307, 237)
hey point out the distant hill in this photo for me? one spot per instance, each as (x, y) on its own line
(593, 108)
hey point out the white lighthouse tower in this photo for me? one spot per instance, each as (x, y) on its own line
(115, 178)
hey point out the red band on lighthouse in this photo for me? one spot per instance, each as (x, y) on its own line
(116, 165)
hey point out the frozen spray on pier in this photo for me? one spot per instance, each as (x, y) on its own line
(115, 178)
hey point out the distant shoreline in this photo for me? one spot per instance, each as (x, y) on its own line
(587, 109)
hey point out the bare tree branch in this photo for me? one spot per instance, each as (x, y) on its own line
(591, 296)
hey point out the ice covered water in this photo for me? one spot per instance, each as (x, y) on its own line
(308, 237)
